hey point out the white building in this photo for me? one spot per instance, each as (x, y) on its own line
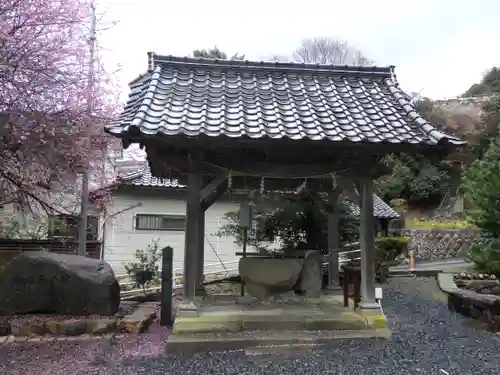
(141, 209)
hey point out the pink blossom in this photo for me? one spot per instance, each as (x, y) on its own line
(46, 129)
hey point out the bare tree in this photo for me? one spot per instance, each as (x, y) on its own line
(329, 51)
(279, 58)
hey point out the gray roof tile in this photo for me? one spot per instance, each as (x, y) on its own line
(185, 96)
(144, 178)
(381, 209)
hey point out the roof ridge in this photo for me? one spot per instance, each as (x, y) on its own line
(139, 78)
(147, 99)
(155, 60)
(133, 175)
(404, 101)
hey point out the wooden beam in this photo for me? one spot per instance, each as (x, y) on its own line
(211, 186)
(299, 164)
(283, 145)
(216, 194)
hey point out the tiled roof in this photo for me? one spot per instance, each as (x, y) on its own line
(145, 179)
(191, 97)
(381, 209)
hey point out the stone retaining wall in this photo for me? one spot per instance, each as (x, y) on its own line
(484, 307)
(466, 300)
(435, 244)
(137, 321)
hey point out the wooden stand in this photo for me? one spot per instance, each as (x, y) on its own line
(354, 274)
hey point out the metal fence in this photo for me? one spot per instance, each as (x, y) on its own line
(229, 270)
(345, 256)
(125, 280)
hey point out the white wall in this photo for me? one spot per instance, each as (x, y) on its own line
(121, 239)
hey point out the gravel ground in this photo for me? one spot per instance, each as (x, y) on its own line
(427, 339)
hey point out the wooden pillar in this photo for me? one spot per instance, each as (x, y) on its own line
(367, 237)
(334, 215)
(200, 259)
(333, 250)
(187, 307)
(384, 225)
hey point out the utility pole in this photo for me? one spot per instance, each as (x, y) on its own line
(84, 204)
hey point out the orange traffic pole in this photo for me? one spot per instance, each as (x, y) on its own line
(412, 262)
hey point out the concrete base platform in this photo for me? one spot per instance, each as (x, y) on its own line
(265, 340)
(233, 322)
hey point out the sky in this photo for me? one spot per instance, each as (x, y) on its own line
(439, 47)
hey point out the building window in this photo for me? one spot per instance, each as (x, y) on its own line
(66, 226)
(160, 222)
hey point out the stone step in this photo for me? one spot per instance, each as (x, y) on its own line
(270, 321)
(255, 342)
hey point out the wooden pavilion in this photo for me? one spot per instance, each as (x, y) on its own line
(219, 124)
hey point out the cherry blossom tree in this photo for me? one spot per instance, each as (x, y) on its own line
(53, 101)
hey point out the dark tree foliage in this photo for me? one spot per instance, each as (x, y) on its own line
(490, 84)
(481, 187)
(215, 53)
(300, 223)
(415, 178)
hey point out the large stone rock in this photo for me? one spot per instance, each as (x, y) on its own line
(309, 283)
(264, 278)
(40, 281)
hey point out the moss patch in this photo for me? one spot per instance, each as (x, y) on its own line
(438, 224)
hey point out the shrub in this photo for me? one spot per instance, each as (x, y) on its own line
(145, 268)
(389, 248)
(481, 186)
(486, 258)
(381, 271)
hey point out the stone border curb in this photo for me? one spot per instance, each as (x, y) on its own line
(416, 273)
(446, 282)
(24, 329)
(5, 340)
